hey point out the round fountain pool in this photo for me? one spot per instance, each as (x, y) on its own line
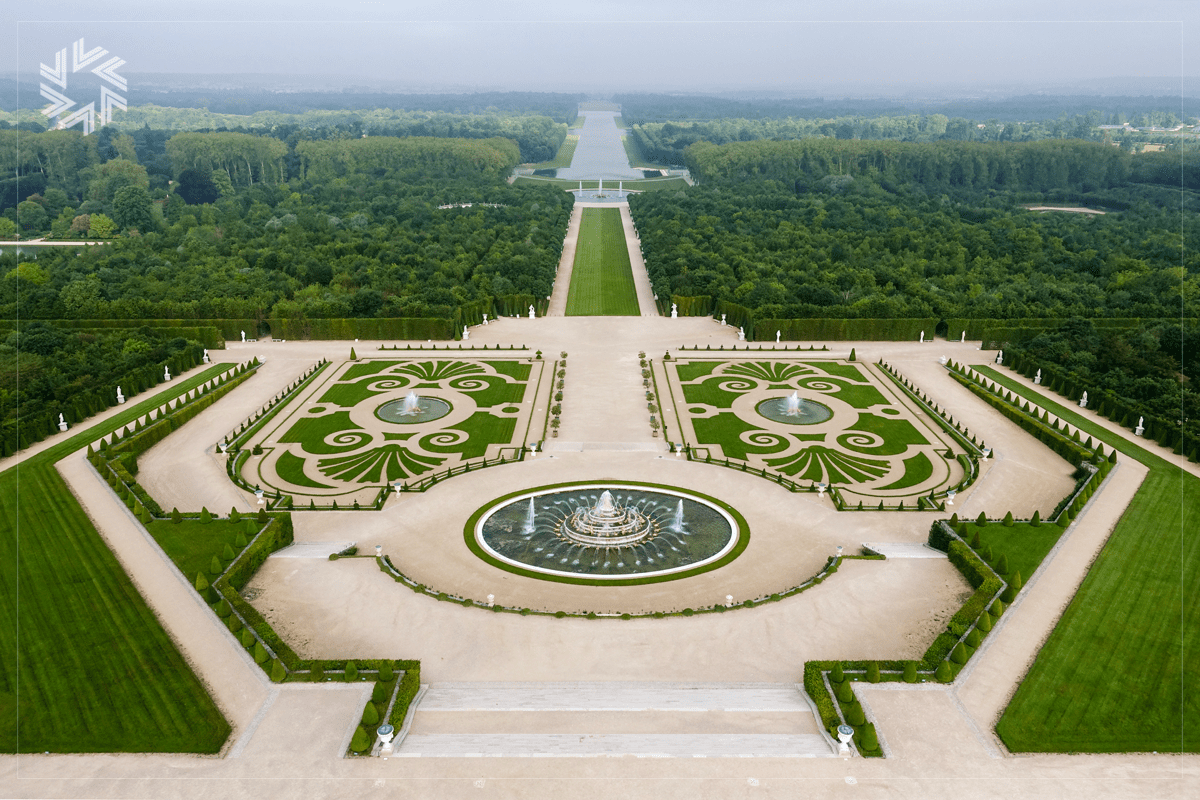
(605, 533)
(413, 409)
(794, 410)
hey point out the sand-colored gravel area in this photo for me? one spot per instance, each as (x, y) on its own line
(288, 740)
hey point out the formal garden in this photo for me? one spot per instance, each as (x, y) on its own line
(839, 423)
(373, 424)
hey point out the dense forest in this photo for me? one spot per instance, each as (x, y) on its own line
(849, 248)
(363, 235)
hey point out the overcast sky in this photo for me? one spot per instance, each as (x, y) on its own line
(614, 45)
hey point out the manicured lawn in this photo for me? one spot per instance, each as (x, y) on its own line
(601, 278)
(85, 663)
(563, 157)
(1023, 544)
(1119, 672)
(191, 544)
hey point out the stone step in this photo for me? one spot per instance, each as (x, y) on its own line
(311, 550)
(904, 550)
(555, 446)
(567, 745)
(614, 696)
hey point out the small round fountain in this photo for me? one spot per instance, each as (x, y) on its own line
(606, 532)
(413, 409)
(794, 410)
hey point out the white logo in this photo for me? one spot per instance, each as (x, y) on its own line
(60, 105)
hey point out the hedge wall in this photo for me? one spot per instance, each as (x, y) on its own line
(878, 330)
(368, 328)
(208, 335)
(997, 329)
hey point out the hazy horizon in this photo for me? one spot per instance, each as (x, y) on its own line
(863, 49)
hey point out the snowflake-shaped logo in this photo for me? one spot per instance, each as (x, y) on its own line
(61, 105)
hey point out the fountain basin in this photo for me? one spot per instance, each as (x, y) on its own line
(404, 412)
(611, 533)
(794, 410)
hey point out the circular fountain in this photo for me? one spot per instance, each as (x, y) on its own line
(604, 533)
(794, 410)
(413, 409)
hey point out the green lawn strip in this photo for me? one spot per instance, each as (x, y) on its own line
(726, 430)
(191, 544)
(310, 433)
(290, 468)
(1118, 673)
(348, 395)
(482, 429)
(709, 393)
(917, 469)
(518, 370)
(690, 370)
(497, 391)
(562, 159)
(847, 371)
(897, 434)
(79, 643)
(365, 368)
(1024, 545)
(858, 396)
(602, 277)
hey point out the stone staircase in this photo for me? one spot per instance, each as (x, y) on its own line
(640, 719)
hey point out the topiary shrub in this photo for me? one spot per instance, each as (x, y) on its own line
(843, 692)
(234, 516)
(853, 355)
(1014, 586)
(380, 692)
(353, 355)
(944, 674)
(959, 653)
(370, 716)
(855, 715)
(278, 672)
(316, 674)
(351, 671)
(387, 672)
(981, 520)
(360, 741)
(984, 623)
(260, 653)
(837, 675)
(1002, 564)
(1064, 519)
(1008, 520)
(910, 672)
(205, 516)
(997, 607)
(247, 637)
(228, 553)
(873, 672)
(214, 566)
(1036, 519)
(975, 541)
(262, 517)
(868, 739)
(176, 517)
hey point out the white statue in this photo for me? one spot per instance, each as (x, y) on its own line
(485, 322)
(674, 310)
(62, 423)
(166, 373)
(243, 336)
(206, 355)
(466, 334)
(1141, 427)
(722, 320)
(1083, 401)
(922, 337)
(741, 334)
(120, 397)
(531, 314)
(1000, 358)
(962, 339)
(1037, 379)
(943, 360)
(777, 335)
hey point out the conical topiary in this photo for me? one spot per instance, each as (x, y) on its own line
(1036, 519)
(868, 739)
(943, 673)
(386, 672)
(873, 672)
(855, 715)
(843, 692)
(260, 653)
(234, 516)
(1002, 564)
(981, 520)
(910, 672)
(370, 716)
(205, 515)
(959, 654)
(278, 671)
(997, 607)
(974, 638)
(351, 671)
(360, 741)
(837, 675)
(1014, 586)
(214, 566)
(353, 355)
(984, 623)
(228, 553)
(1008, 520)
(176, 517)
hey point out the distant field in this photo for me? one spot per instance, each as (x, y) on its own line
(601, 278)
(563, 158)
(634, 153)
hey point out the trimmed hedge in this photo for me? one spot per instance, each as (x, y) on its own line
(879, 330)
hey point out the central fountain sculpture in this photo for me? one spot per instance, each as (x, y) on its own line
(606, 524)
(794, 410)
(412, 405)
